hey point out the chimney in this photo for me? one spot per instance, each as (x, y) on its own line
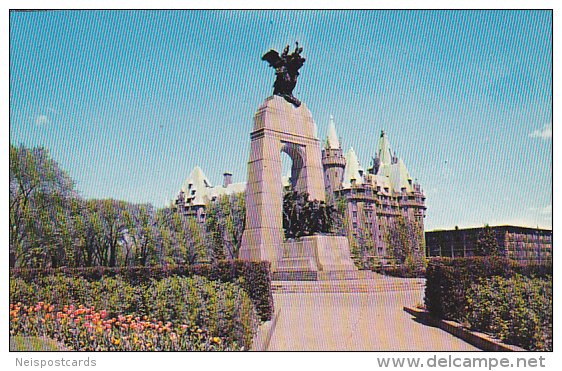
(227, 179)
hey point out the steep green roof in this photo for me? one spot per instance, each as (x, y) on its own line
(352, 169)
(332, 140)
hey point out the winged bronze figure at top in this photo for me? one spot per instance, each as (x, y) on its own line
(286, 70)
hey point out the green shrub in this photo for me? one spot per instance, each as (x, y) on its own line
(448, 281)
(34, 344)
(112, 294)
(401, 270)
(221, 309)
(255, 277)
(517, 310)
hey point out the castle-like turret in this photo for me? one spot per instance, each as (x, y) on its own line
(333, 161)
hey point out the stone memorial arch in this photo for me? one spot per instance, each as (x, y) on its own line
(279, 126)
(284, 124)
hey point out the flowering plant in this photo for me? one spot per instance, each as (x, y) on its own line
(87, 329)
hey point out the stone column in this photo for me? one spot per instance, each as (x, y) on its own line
(277, 123)
(264, 201)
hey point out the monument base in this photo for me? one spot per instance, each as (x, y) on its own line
(258, 245)
(315, 257)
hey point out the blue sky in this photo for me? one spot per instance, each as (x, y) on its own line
(129, 102)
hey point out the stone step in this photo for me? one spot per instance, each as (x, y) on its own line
(307, 275)
(295, 276)
(346, 286)
(338, 275)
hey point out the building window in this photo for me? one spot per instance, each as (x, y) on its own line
(354, 225)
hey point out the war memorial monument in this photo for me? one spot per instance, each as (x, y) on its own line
(284, 124)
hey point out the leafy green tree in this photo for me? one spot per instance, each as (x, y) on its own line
(85, 244)
(105, 230)
(339, 220)
(397, 240)
(142, 235)
(225, 222)
(181, 240)
(51, 226)
(487, 243)
(405, 243)
(41, 219)
(362, 246)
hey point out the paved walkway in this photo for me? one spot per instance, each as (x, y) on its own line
(369, 321)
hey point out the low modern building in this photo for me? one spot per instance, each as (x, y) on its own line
(517, 243)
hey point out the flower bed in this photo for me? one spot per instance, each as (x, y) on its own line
(86, 329)
(174, 313)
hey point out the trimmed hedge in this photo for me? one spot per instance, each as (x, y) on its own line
(517, 310)
(254, 277)
(448, 281)
(402, 271)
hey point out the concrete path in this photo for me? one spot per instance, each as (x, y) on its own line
(357, 321)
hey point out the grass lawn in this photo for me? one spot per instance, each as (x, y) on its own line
(34, 344)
